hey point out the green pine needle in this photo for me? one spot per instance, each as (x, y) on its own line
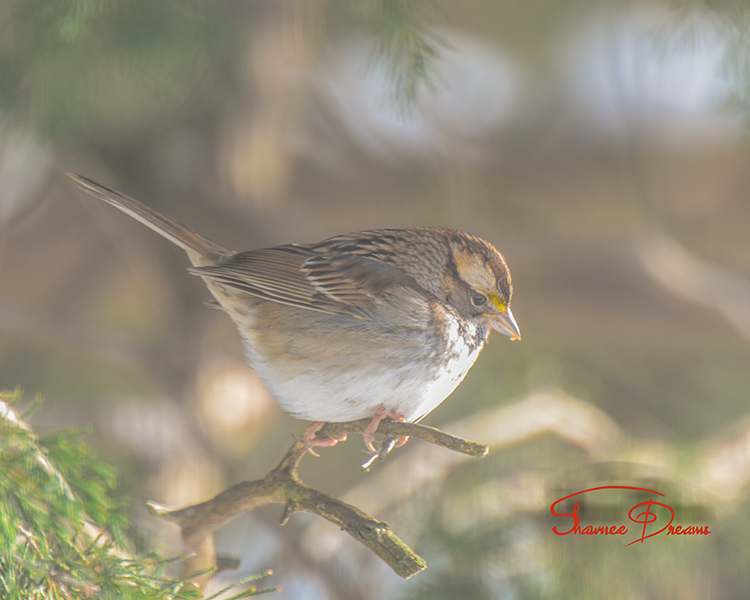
(62, 526)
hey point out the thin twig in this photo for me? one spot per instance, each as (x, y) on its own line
(282, 485)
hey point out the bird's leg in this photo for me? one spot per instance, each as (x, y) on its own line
(310, 440)
(380, 414)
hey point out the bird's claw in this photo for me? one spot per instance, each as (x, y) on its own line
(310, 439)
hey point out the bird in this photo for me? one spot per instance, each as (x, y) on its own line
(383, 323)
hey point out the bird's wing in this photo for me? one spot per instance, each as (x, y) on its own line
(298, 275)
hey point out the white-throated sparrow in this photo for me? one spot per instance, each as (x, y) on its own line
(381, 323)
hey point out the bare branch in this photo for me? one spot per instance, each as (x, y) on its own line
(282, 485)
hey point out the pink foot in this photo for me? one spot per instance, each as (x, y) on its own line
(380, 414)
(401, 441)
(310, 440)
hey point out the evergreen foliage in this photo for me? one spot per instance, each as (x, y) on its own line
(62, 526)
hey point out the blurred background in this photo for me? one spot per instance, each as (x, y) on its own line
(601, 146)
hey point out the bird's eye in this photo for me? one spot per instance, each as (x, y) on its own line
(479, 299)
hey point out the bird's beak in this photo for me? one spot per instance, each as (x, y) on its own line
(506, 324)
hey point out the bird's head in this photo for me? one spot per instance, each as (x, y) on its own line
(482, 287)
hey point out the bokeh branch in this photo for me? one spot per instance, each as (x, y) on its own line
(283, 485)
(698, 280)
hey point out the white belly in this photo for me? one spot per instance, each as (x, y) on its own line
(410, 389)
(326, 377)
